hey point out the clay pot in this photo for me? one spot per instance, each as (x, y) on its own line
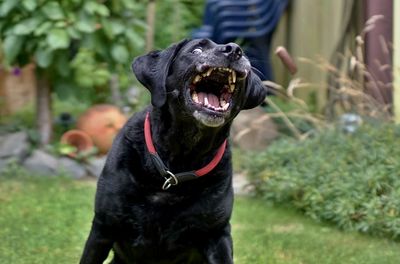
(78, 139)
(102, 123)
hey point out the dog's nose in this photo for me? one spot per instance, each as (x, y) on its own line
(232, 51)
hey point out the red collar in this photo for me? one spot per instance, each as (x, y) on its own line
(173, 179)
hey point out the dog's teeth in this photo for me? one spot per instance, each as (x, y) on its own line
(232, 88)
(209, 71)
(206, 101)
(233, 76)
(245, 73)
(195, 97)
(225, 107)
(222, 102)
(197, 79)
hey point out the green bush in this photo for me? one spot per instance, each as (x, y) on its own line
(352, 180)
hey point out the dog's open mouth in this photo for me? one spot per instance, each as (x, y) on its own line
(213, 88)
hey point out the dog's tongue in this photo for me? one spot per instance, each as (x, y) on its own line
(211, 98)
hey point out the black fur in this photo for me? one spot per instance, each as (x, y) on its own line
(188, 223)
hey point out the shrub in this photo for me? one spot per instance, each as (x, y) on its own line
(352, 180)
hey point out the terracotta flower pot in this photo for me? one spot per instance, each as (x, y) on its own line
(79, 139)
(102, 123)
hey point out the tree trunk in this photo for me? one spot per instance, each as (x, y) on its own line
(43, 109)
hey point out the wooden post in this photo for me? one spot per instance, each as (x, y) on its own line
(378, 56)
(176, 34)
(151, 13)
(396, 61)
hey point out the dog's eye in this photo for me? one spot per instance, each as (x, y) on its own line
(197, 51)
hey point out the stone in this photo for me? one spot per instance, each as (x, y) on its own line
(71, 167)
(253, 130)
(4, 163)
(14, 145)
(241, 184)
(95, 166)
(42, 163)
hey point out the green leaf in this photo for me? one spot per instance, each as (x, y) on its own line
(64, 88)
(90, 7)
(73, 33)
(43, 28)
(101, 77)
(44, 57)
(86, 26)
(84, 81)
(27, 26)
(58, 39)
(11, 47)
(7, 6)
(117, 27)
(60, 24)
(103, 11)
(112, 27)
(53, 11)
(96, 8)
(134, 38)
(128, 4)
(71, 16)
(62, 64)
(29, 5)
(119, 53)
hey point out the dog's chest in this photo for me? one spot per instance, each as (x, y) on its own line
(163, 198)
(163, 217)
(166, 224)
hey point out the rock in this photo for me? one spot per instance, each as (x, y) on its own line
(95, 166)
(71, 168)
(14, 145)
(253, 129)
(241, 184)
(41, 163)
(4, 163)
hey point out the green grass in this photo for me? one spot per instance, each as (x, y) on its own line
(46, 220)
(275, 235)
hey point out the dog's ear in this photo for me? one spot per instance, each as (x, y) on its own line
(255, 91)
(152, 71)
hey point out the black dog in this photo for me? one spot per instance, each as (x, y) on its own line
(165, 194)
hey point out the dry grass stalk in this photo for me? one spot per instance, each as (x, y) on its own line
(355, 89)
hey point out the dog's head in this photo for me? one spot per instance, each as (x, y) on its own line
(210, 82)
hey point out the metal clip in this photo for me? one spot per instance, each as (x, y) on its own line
(169, 181)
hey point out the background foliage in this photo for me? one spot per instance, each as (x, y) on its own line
(352, 180)
(85, 40)
(81, 43)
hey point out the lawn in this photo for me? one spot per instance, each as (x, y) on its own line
(46, 220)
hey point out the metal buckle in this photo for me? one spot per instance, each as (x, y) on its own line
(169, 181)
